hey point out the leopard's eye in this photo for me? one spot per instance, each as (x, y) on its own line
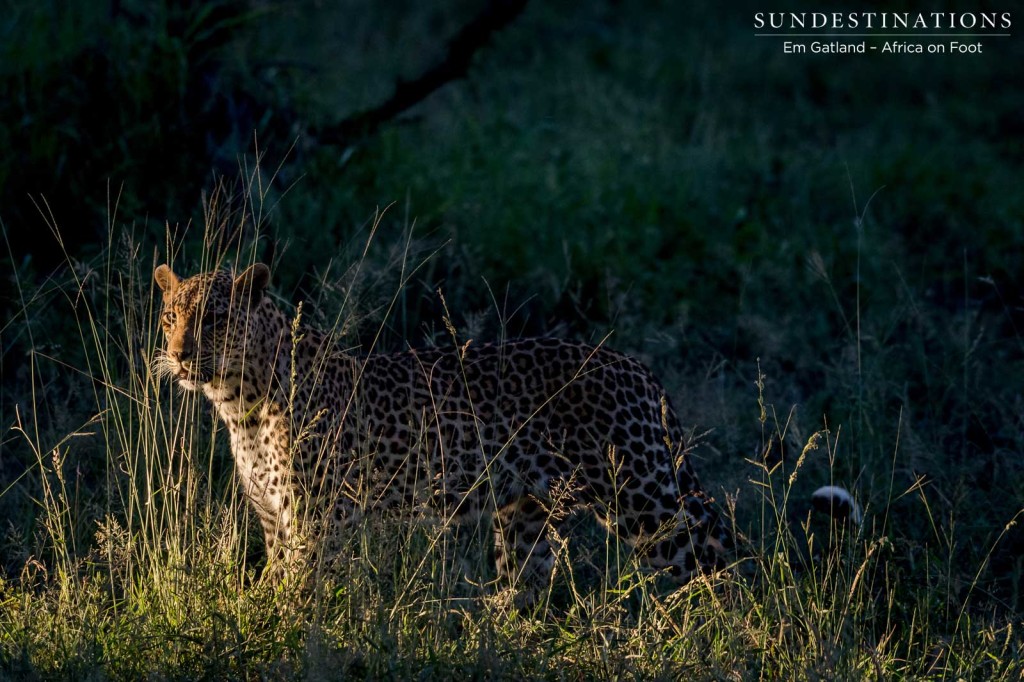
(169, 318)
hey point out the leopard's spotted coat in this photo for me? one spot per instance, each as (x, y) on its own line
(318, 435)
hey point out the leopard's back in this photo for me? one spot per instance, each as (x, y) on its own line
(495, 421)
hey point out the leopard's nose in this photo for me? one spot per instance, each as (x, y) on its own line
(183, 355)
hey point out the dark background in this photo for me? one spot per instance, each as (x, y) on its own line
(849, 226)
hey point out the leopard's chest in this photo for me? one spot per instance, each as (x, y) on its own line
(260, 448)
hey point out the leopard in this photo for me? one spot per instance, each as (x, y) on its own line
(528, 431)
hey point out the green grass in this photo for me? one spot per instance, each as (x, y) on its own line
(147, 564)
(795, 246)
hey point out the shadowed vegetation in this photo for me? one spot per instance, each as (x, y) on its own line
(815, 250)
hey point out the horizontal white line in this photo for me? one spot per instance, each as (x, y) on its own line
(882, 35)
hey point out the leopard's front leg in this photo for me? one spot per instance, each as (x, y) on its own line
(262, 463)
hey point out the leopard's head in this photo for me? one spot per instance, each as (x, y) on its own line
(205, 321)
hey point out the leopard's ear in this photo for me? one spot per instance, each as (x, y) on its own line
(252, 283)
(165, 279)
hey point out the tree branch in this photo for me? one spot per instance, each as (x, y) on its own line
(462, 47)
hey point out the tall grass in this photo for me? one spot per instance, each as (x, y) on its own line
(644, 169)
(139, 556)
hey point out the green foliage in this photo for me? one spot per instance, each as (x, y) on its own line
(126, 107)
(839, 233)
